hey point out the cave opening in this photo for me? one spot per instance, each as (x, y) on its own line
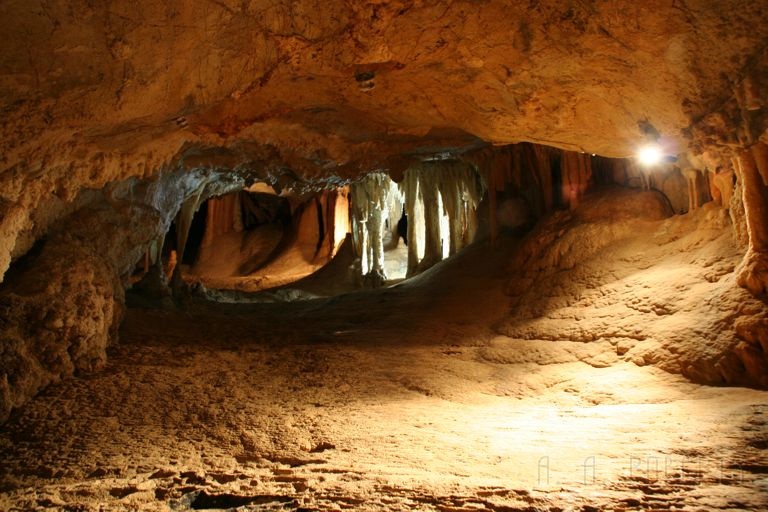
(384, 256)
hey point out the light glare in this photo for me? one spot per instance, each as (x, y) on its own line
(649, 155)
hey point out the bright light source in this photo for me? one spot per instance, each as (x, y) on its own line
(649, 155)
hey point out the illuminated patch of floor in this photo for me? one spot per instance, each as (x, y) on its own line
(271, 425)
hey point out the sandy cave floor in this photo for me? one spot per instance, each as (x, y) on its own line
(317, 405)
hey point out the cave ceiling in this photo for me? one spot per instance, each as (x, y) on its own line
(344, 87)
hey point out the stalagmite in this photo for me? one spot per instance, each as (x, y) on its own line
(753, 274)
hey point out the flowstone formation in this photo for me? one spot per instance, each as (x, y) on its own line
(435, 206)
(374, 199)
(433, 189)
(631, 281)
(255, 238)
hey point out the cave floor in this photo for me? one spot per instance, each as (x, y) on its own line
(352, 403)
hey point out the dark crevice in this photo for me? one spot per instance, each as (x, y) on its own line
(205, 501)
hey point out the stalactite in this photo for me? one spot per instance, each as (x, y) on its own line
(237, 211)
(714, 192)
(620, 171)
(376, 243)
(543, 171)
(394, 211)
(452, 191)
(223, 216)
(585, 173)
(320, 205)
(494, 176)
(428, 186)
(458, 186)
(515, 174)
(499, 174)
(309, 228)
(172, 264)
(341, 222)
(335, 211)
(691, 178)
(569, 168)
(184, 222)
(643, 173)
(760, 152)
(370, 204)
(527, 170)
(410, 188)
(328, 244)
(153, 254)
(723, 183)
(753, 274)
(452, 183)
(576, 173)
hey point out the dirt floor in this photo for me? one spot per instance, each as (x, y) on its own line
(406, 398)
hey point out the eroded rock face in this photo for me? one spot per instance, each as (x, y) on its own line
(63, 305)
(92, 94)
(652, 292)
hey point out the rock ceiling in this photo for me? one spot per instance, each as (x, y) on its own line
(329, 86)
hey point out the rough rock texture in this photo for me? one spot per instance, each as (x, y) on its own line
(314, 406)
(613, 274)
(63, 305)
(91, 94)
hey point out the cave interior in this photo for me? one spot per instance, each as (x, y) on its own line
(385, 255)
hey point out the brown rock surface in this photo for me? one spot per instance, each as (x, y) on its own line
(92, 94)
(660, 292)
(116, 116)
(315, 406)
(63, 305)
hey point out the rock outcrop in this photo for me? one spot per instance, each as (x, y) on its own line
(611, 274)
(63, 304)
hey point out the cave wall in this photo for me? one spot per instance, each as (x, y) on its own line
(62, 304)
